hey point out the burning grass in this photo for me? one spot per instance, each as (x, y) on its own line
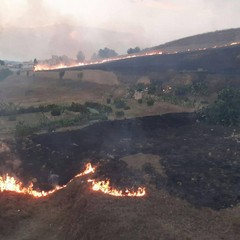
(45, 67)
(8, 183)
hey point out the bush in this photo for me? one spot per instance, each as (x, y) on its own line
(182, 90)
(108, 100)
(24, 129)
(119, 114)
(196, 89)
(140, 87)
(150, 102)
(99, 107)
(225, 110)
(77, 107)
(61, 74)
(140, 101)
(56, 112)
(152, 88)
(119, 103)
(80, 75)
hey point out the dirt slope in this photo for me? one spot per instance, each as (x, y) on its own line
(78, 213)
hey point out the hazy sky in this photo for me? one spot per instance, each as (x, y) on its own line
(151, 22)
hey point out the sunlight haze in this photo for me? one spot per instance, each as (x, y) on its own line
(145, 22)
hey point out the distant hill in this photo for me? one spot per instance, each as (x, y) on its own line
(205, 40)
(220, 60)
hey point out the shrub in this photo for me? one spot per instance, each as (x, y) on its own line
(99, 107)
(197, 88)
(24, 129)
(119, 114)
(50, 107)
(152, 89)
(108, 100)
(182, 90)
(80, 75)
(56, 112)
(61, 74)
(150, 102)
(225, 110)
(77, 107)
(119, 103)
(140, 87)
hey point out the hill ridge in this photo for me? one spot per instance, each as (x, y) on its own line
(203, 40)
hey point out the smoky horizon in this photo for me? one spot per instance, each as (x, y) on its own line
(40, 29)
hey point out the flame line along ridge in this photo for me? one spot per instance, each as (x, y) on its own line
(8, 183)
(45, 66)
(104, 186)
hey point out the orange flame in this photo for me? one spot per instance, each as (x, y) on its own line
(45, 67)
(104, 186)
(8, 183)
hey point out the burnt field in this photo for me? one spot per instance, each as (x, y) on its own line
(220, 60)
(201, 162)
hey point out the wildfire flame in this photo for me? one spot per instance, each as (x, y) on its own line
(104, 186)
(45, 67)
(8, 183)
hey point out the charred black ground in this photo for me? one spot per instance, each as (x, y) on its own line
(201, 161)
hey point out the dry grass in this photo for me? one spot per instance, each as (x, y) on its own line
(38, 90)
(78, 213)
(139, 110)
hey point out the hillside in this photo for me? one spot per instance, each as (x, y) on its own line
(186, 185)
(205, 40)
(112, 115)
(220, 60)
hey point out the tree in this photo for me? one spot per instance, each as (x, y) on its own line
(225, 110)
(80, 56)
(133, 50)
(2, 63)
(106, 53)
(61, 74)
(35, 62)
(94, 57)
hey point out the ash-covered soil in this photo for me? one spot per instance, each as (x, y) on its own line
(200, 162)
